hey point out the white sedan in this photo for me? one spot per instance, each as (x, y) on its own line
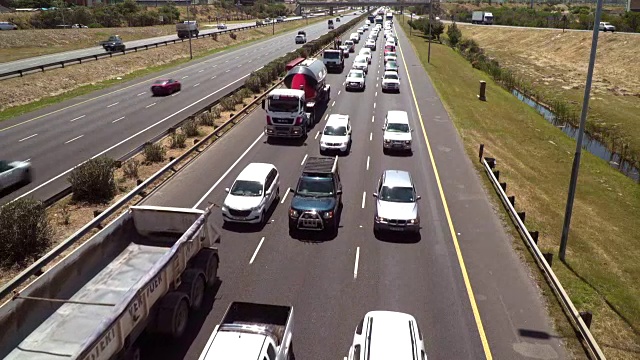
(13, 173)
(222, 26)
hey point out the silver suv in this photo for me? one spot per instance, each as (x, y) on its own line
(397, 203)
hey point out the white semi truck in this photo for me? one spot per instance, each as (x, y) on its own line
(146, 270)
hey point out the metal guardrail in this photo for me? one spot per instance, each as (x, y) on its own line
(36, 268)
(79, 60)
(572, 313)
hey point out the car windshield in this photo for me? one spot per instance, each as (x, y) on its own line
(392, 64)
(361, 61)
(331, 55)
(335, 131)
(160, 82)
(246, 188)
(315, 187)
(397, 194)
(396, 127)
(355, 75)
(391, 76)
(283, 104)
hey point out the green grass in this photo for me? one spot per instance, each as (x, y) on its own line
(534, 158)
(86, 89)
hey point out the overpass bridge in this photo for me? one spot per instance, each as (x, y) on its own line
(364, 3)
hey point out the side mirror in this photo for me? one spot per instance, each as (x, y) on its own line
(412, 130)
(418, 197)
(263, 102)
(268, 193)
(375, 195)
(226, 190)
(339, 192)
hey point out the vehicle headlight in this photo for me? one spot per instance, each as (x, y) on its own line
(408, 142)
(224, 208)
(415, 221)
(381, 219)
(387, 140)
(293, 213)
(327, 214)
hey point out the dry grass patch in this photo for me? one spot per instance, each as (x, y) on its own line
(535, 158)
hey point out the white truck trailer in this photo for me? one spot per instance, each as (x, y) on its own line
(251, 331)
(144, 271)
(482, 17)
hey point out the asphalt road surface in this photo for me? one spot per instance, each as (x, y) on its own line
(116, 120)
(461, 279)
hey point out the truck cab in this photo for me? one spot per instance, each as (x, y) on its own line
(317, 198)
(333, 59)
(286, 115)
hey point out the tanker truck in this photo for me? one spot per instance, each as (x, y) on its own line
(292, 111)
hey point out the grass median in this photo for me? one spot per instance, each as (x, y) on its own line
(534, 158)
(18, 96)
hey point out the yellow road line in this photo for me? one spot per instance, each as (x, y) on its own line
(465, 276)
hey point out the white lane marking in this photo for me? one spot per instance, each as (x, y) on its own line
(237, 57)
(213, 77)
(377, 78)
(250, 61)
(74, 139)
(214, 66)
(134, 135)
(376, 94)
(318, 133)
(370, 136)
(228, 70)
(373, 118)
(376, 85)
(305, 159)
(333, 103)
(285, 196)
(28, 137)
(114, 104)
(355, 267)
(228, 171)
(118, 119)
(344, 82)
(226, 61)
(27, 160)
(142, 93)
(374, 104)
(175, 94)
(240, 65)
(198, 84)
(201, 71)
(148, 106)
(364, 197)
(339, 92)
(368, 158)
(256, 252)
(78, 118)
(184, 77)
(326, 117)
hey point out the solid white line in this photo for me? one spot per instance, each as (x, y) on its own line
(134, 135)
(368, 158)
(148, 106)
(28, 137)
(184, 77)
(256, 252)
(370, 136)
(113, 104)
(213, 77)
(196, 85)
(285, 196)
(140, 94)
(333, 103)
(373, 118)
(74, 139)
(318, 133)
(201, 71)
(228, 171)
(355, 267)
(364, 196)
(118, 119)
(305, 159)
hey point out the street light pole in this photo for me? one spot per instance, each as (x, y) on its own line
(583, 119)
(411, 21)
(430, 26)
(273, 26)
(189, 23)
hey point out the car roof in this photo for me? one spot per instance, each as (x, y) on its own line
(397, 178)
(391, 72)
(390, 335)
(397, 116)
(360, 57)
(337, 120)
(255, 171)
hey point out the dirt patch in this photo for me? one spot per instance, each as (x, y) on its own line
(17, 91)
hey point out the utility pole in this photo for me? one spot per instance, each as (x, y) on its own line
(430, 26)
(583, 119)
(411, 20)
(273, 26)
(189, 23)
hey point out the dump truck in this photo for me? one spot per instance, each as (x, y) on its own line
(146, 270)
(252, 331)
(184, 28)
(292, 111)
(482, 17)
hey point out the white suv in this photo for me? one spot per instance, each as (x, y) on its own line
(396, 131)
(252, 194)
(336, 135)
(361, 62)
(390, 338)
(396, 204)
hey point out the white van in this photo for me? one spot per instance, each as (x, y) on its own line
(355, 37)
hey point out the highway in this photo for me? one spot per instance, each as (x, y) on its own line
(468, 289)
(116, 120)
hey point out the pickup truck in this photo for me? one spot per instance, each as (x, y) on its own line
(146, 270)
(114, 43)
(317, 198)
(251, 331)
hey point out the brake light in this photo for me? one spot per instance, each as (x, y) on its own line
(269, 120)
(299, 120)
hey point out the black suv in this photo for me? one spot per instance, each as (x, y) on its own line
(317, 197)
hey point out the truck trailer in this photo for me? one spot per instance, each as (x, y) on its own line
(292, 111)
(145, 271)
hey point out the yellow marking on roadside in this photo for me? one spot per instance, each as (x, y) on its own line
(465, 276)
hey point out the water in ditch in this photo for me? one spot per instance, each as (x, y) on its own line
(590, 144)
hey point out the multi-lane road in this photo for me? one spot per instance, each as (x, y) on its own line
(116, 120)
(468, 289)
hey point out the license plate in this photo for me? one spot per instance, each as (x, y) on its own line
(396, 228)
(397, 145)
(309, 223)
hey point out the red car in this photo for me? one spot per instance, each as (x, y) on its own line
(165, 87)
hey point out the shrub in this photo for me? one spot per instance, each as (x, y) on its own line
(206, 119)
(215, 112)
(233, 36)
(454, 34)
(190, 128)
(244, 93)
(253, 83)
(154, 153)
(25, 230)
(93, 181)
(228, 104)
(178, 140)
(130, 169)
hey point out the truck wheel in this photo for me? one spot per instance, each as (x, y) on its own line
(173, 314)
(193, 284)
(207, 261)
